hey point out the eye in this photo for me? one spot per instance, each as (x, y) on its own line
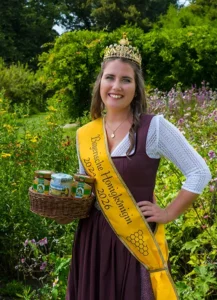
(128, 80)
(109, 77)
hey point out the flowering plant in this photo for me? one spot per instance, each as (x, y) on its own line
(34, 259)
(39, 261)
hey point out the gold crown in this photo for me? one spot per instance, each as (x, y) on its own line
(123, 49)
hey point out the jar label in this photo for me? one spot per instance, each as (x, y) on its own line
(41, 185)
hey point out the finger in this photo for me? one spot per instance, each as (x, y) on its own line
(146, 209)
(142, 203)
(147, 214)
(156, 219)
(152, 219)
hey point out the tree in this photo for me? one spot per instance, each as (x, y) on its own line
(205, 7)
(24, 27)
(110, 15)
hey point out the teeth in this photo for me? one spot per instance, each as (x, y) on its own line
(115, 96)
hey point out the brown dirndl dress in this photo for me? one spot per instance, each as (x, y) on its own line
(102, 268)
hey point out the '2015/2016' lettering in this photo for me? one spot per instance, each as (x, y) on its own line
(103, 197)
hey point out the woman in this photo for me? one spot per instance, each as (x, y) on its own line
(116, 256)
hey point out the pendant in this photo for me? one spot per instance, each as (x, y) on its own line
(112, 135)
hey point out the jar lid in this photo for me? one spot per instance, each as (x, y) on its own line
(57, 186)
(61, 177)
(84, 178)
(44, 173)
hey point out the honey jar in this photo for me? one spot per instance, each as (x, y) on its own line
(41, 182)
(61, 184)
(82, 186)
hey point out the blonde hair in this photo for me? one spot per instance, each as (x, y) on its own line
(138, 105)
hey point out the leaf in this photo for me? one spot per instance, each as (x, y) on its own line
(193, 245)
(54, 294)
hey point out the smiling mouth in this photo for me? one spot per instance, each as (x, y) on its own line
(115, 96)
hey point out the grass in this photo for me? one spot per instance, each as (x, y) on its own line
(33, 119)
(34, 123)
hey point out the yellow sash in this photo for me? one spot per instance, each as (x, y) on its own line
(121, 211)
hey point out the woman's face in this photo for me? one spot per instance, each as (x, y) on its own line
(118, 86)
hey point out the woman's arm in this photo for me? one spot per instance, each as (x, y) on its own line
(164, 139)
(159, 215)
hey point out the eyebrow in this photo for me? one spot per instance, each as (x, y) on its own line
(125, 77)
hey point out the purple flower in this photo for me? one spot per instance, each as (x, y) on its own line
(43, 241)
(211, 154)
(43, 265)
(33, 241)
(23, 260)
(180, 121)
(26, 242)
(211, 188)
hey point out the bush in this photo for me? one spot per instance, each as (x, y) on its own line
(170, 56)
(192, 237)
(70, 68)
(24, 149)
(183, 55)
(32, 245)
(21, 85)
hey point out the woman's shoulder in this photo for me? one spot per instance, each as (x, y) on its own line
(152, 118)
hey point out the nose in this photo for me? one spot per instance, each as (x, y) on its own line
(117, 85)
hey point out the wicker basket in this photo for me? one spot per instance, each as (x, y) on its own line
(62, 209)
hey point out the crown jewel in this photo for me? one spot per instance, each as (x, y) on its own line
(123, 49)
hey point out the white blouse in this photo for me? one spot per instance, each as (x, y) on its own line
(165, 140)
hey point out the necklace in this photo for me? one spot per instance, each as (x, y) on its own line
(113, 131)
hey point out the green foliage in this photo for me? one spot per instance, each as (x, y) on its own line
(204, 7)
(29, 25)
(192, 237)
(42, 260)
(35, 146)
(12, 288)
(100, 15)
(27, 294)
(186, 55)
(170, 56)
(24, 27)
(86, 118)
(182, 18)
(26, 146)
(21, 85)
(197, 287)
(70, 68)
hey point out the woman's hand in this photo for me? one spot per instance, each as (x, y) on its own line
(153, 212)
